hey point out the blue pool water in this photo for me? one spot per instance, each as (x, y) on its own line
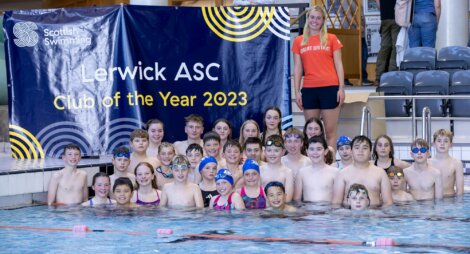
(444, 223)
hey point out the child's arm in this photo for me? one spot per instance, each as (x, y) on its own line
(198, 197)
(237, 201)
(52, 188)
(298, 187)
(211, 203)
(85, 187)
(438, 191)
(386, 190)
(338, 190)
(164, 197)
(459, 184)
(289, 185)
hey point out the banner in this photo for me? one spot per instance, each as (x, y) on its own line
(92, 75)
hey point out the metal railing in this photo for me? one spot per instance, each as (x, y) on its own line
(426, 125)
(413, 99)
(366, 121)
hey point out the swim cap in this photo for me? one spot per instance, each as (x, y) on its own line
(224, 174)
(250, 164)
(205, 160)
(343, 141)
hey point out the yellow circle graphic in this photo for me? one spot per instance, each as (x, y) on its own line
(240, 23)
(23, 144)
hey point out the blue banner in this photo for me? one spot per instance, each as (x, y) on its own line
(92, 75)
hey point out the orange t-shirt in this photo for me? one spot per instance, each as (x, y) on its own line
(317, 61)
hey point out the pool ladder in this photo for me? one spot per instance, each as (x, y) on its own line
(366, 122)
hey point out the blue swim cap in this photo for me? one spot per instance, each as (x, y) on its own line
(205, 160)
(224, 174)
(343, 141)
(250, 164)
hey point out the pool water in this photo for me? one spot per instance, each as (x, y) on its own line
(422, 225)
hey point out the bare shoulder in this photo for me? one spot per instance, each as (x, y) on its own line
(168, 186)
(57, 174)
(193, 186)
(287, 170)
(400, 163)
(82, 173)
(434, 170)
(408, 169)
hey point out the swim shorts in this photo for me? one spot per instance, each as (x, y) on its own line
(320, 97)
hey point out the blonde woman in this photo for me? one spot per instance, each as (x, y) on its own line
(318, 54)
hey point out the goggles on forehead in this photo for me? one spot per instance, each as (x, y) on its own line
(122, 154)
(398, 174)
(417, 150)
(347, 143)
(277, 143)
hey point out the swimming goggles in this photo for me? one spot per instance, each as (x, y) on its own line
(398, 174)
(292, 135)
(277, 143)
(347, 143)
(179, 166)
(417, 150)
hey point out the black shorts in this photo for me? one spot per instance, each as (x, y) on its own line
(320, 97)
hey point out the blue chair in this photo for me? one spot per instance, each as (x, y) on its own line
(453, 58)
(397, 83)
(418, 59)
(432, 83)
(460, 85)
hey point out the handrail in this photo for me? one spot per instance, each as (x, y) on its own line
(292, 22)
(426, 125)
(366, 120)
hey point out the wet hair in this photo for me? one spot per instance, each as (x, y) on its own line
(361, 139)
(274, 184)
(99, 174)
(223, 120)
(120, 150)
(318, 122)
(232, 142)
(166, 145)
(242, 138)
(375, 155)
(323, 30)
(294, 131)
(420, 142)
(329, 157)
(444, 133)
(194, 118)
(123, 181)
(180, 160)
(265, 128)
(72, 146)
(357, 188)
(149, 166)
(153, 121)
(139, 133)
(211, 135)
(193, 147)
(252, 140)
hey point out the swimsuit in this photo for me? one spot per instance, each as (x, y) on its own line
(227, 206)
(91, 202)
(207, 195)
(254, 203)
(140, 202)
(391, 165)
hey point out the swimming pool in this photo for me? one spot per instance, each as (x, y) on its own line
(446, 223)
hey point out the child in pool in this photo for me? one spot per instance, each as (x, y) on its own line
(271, 123)
(233, 154)
(156, 132)
(343, 145)
(194, 154)
(358, 197)
(146, 192)
(207, 170)
(315, 183)
(181, 193)
(194, 128)
(397, 180)
(252, 191)
(294, 160)
(101, 184)
(384, 154)
(227, 198)
(121, 161)
(122, 192)
(166, 152)
(224, 128)
(68, 185)
(249, 129)
(139, 144)
(314, 127)
(253, 148)
(211, 141)
(276, 197)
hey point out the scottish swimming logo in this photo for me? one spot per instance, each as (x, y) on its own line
(25, 33)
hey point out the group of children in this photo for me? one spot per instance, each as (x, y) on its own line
(261, 170)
